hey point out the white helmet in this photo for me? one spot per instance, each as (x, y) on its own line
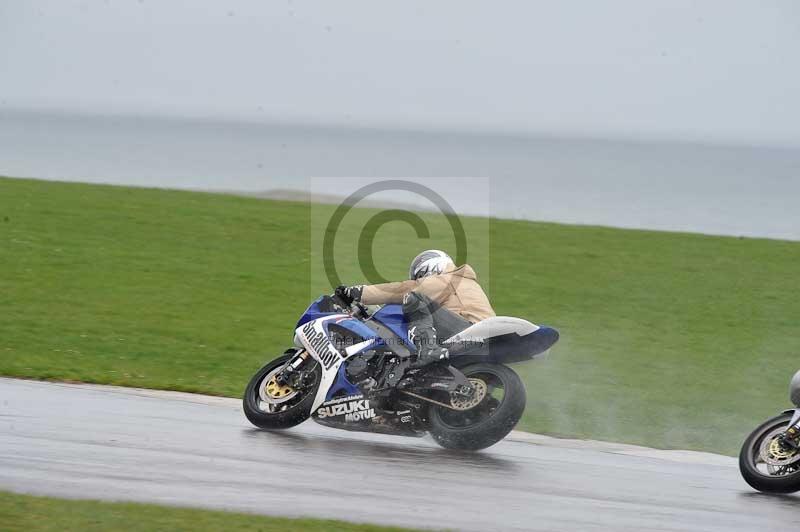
(429, 262)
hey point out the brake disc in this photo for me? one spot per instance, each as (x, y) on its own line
(465, 402)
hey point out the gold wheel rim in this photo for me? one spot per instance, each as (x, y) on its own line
(277, 391)
(778, 452)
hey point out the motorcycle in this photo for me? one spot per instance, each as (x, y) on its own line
(770, 457)
(353, 369)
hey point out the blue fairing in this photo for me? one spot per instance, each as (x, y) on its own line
(392, 317)
(342, 383)
(313, 312)
(389, 315)
(358, 328)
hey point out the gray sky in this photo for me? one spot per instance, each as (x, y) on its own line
(716, 71)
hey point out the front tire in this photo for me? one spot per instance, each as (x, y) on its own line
(291, 410)
(783, 475)
(489, 421)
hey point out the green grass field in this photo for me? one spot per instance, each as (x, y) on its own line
(668, 340)
(44, 514)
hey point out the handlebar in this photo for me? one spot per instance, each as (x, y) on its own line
(339, 302)
(360, 310)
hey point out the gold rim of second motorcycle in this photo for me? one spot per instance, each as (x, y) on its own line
(773, 454)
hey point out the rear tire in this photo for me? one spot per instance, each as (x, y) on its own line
(291, 413)
(501, 418)
(758, 479)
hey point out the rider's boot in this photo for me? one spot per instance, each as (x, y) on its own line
(428, 350)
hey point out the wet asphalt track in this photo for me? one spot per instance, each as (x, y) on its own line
(107, 443)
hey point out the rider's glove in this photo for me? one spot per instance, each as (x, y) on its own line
(348, 294)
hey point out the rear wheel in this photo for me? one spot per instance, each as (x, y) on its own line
(485, 418)
(765, 463)
(273, 406)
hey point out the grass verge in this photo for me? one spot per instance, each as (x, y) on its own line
(668, 340)
(45, 514)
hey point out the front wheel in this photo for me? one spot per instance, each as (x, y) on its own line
(272, 406)
(487, 417)
(765, 463)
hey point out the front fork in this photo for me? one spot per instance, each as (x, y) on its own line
(290, 374)
(792, 435)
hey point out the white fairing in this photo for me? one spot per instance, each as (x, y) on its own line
(490, 327)
(313, 337)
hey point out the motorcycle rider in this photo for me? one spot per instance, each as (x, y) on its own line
(439, 300)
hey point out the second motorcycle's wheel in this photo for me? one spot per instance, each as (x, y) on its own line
(485, 419)
(765, 463)
(270, 405)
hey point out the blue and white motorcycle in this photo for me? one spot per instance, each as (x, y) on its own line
(352, 369)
